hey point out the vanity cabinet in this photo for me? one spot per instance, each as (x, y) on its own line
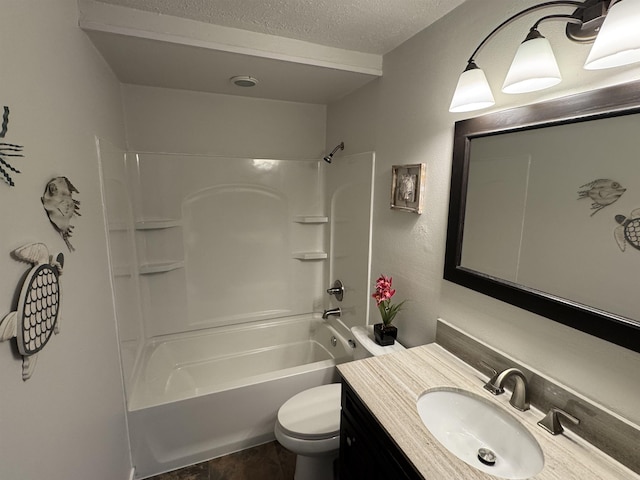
(366, 451)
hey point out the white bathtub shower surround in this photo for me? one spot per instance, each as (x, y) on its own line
(235, 241)
(349, 184)
(204, 241)
(232, 257)
(203, 395)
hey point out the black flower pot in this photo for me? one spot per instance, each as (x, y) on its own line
(385, 335)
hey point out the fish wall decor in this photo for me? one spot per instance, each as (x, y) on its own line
(36, 316)
(7, 151)
(61, 207)
(602, 192)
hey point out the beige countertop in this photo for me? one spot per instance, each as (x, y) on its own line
(390, 385)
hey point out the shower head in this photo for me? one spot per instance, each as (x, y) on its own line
(329, 157)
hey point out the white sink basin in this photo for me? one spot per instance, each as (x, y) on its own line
(471, 427)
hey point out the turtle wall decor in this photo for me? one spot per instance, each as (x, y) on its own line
(628, 232)
(602, 192)
(61, 207)
(7, 151)
(38, 309)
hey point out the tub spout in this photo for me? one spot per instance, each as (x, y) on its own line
(331, 311)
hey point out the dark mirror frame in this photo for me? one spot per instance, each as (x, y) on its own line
(608, 102)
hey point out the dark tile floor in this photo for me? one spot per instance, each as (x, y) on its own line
(265, 462)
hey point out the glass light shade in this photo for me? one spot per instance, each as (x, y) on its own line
(472, 92)
(534, 67)
(618, 42)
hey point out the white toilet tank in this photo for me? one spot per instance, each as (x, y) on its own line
(366, 346)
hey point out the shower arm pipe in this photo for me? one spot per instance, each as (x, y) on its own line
(555, 3)
(339, 147)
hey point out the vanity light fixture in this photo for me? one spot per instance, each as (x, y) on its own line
(612, 24)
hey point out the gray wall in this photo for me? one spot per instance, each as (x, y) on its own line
(404, 117)
(68, 420)
(175, 121)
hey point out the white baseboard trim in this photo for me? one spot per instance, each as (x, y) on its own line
(132, 473)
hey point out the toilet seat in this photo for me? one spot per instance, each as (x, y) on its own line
(313, 414)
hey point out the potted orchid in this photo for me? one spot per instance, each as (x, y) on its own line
(385, 333)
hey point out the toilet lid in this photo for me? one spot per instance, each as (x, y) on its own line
(313, 413)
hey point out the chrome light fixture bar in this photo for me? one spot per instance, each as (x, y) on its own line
(614, 25)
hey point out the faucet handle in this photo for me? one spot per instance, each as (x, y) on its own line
(492, 384)
(494, 372)
(337, 290)
(551, 421)
(495, 390)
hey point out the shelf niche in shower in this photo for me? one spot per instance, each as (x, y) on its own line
(305, 256)
(154, 224)
(157, 223)
(160, 267)
(310, 219)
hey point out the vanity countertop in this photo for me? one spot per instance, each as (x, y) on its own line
(390, 385)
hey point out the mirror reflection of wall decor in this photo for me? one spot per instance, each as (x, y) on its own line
(8, 151)
(36, 316)
(516, 231)
(629, 230)
(602, 192)
(61, 207)
(407, 187)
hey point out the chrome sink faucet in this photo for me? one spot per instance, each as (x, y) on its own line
(331, 311)
(520, 395)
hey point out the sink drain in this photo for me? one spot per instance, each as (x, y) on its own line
(486, 456)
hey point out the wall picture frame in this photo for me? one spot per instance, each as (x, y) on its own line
(407, 187)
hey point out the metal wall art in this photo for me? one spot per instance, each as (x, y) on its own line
(36, 317)
(61, 207)
(602, 192)
(7, 151)
(407, 187)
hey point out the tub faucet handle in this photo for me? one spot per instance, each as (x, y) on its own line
(337, 290)
(331, 311)
(551, 421)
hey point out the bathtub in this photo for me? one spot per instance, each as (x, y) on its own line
(209, 393)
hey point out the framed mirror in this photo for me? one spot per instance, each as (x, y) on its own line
(544, 210)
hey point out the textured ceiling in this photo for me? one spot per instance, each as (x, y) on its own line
(370, 26)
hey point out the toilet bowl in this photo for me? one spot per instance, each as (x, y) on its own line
(308, 424)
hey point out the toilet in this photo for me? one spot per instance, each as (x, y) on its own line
(308, 424)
